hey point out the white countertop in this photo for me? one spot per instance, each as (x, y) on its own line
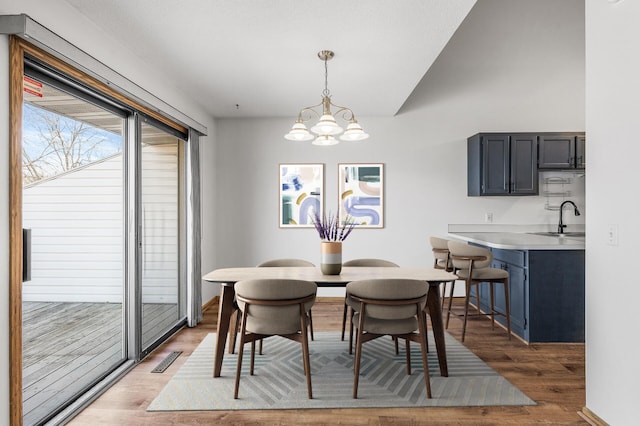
(520, 240)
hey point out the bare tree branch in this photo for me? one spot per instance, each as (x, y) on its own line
(57, 144)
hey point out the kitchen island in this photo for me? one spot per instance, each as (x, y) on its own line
(546, 282)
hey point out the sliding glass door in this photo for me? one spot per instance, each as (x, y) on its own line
(103, 212)
(73, 215)
(162, 231)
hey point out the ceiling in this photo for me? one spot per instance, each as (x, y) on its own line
(258, 58)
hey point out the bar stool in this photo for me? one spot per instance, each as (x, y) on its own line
(442, 260)
(471, 264)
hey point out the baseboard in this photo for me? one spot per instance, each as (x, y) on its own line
(329, 299)
(591, 417)
(213, 302)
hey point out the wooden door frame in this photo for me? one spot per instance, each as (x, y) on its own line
(16, 73)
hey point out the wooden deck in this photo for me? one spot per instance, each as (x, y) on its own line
(67, 346)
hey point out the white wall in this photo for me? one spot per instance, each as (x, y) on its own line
(62, 19)
(613, 90)
(498, 73)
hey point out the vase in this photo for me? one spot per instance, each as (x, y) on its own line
(331, 257)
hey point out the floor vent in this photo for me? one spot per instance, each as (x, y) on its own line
(165, 363)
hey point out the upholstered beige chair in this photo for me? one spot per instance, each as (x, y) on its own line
(289, 263)
(285, 262)
(274, 307)
(472, 264)
(393, 307)
(359, 262)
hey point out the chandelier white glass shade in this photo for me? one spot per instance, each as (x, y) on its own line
(325, 130)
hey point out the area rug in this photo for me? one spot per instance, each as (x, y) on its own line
(279, 380)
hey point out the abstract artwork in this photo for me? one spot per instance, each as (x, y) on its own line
(361, 194)
(301, 194)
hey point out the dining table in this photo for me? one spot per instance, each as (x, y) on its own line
(227, 277)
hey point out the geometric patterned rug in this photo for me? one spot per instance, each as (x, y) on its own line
(279, 381)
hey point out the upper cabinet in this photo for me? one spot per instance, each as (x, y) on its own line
(561, 151)
(502, 164)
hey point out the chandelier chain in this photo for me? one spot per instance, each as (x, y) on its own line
(326, 91)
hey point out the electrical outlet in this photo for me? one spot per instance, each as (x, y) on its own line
(488, 217)
(612, 235)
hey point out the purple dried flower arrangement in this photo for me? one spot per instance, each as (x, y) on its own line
(329, 228)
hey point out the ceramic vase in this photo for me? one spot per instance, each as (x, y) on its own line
(331, 257)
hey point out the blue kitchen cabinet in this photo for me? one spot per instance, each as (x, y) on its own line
(546, 288)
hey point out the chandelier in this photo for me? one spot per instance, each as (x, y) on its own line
(326, 128)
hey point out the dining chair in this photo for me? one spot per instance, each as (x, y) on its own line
(289, 263)
(274, 307)
(393, 307)
(472, 264)
(285, 262)
(442, 260)
(364, 262)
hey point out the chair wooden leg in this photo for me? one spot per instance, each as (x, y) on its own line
(260, 349)
(408, 355)
(395, 341)
(344, 319)
(240, 353)
(253, 356)
(466, 309)
(453, 284)
(351, 332)
(311, 324)
(493, 307)
(356, 365)
(426, 339)
(422, 329)
(234, 334)
(305, 355)
(507, 303)
(477, 286)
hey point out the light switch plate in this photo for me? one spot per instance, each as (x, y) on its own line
(612, 235)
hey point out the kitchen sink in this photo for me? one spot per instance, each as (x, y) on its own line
(565, 234)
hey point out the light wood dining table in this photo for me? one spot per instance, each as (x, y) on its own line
(227, 277)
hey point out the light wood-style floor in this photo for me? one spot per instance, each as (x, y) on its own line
(551, 374)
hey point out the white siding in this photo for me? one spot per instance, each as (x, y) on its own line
(77, 232)
(160, 230)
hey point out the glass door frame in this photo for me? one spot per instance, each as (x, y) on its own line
(135, 294)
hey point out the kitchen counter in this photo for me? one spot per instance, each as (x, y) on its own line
(520, 240)
(546, 278)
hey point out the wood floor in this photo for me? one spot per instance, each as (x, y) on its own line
(551, 374)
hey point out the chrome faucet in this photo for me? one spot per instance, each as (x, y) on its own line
(561, 225)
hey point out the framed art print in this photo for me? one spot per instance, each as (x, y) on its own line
(301, 194)
(361, 194)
